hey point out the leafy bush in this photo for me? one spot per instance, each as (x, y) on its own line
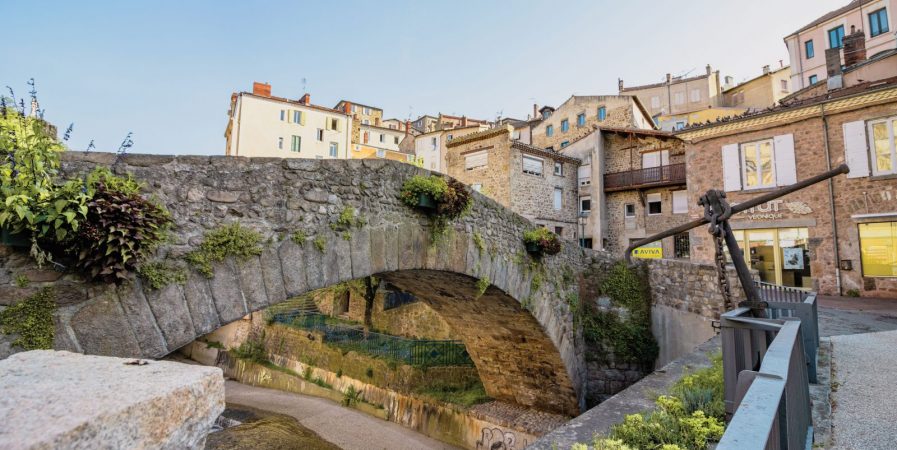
(455, 201)
(451, 197)
(668, 425)
(547, 241)
(231, 240)
(482, 285)
(352, 396)
(32, 320)
(702, 390)
(253, 349)
(158, 274)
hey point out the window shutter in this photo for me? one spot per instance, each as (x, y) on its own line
(474, 160)
(289, 116)
(532, 165)
(731, 168)
(680, 202)
(301, 117)
(339, 125)
(786, 168)
(856, 152)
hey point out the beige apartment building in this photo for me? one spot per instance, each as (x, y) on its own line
(761, 92)
(678, 95)
(536, 183)
(807, 46)
(262, 125)
(364, 114)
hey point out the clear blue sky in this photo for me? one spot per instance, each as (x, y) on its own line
(165, 70)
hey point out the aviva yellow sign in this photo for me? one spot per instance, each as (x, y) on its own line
(648, 252)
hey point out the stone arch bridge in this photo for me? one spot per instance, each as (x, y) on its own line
(519, 333)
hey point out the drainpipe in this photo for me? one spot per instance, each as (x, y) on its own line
(831, 199)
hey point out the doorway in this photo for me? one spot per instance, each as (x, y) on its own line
(780, 255)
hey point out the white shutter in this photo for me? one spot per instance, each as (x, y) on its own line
(731, 168)
(786, 168)
(558, 198)
(476, 159)
(532, 165)
(856, 152)
(680, 202)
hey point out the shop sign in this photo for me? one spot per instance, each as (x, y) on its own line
(648, 252)
(776, 209)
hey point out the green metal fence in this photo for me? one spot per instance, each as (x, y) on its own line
(416, 352)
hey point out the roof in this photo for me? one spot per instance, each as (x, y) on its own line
(832, 14)
(357, 104)
(463, 117)
(639, 131)
(673, 81)
(544, 152)
(756, 78)
(394, 130)
(295, 102)
(485, 134)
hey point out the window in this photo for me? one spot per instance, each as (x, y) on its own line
(381, 153)
(878, 22)
(784, 85)
(836, 37)
(808, 49)
(878, 249)
(296, 144)
(813, 79)
(565, 143)
(559, 231)
(695, 95)
(757, 166)
(602, 113)
(450, 137)
(476, 159)
(883, 152)
(629, 210)
(655, 159)
(334, 149)
(297, 116)
(581, 120)
(433, 142)
(354, 108)
(559, 169)
(585, 204)
(365, 122)
(655, 102)
(332, 123)
(321, 135)
(532, 165)
(366, 111)
(546, 114)
(679, 98)
(382, 138)
(549, 130)
(366, 137)
(280, 143)
(515, 135)
(654, 204)
(680, 125)
(558, 198)
(565, 125)
(680, 202)
(681, 246)
(396, 139)
(283, 115)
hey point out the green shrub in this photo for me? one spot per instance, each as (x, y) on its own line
(158, 274)
(479, 242)
(352, 396)
(369, 372)
(702, 390)
(231, 240)
(22, 281)
(214, 344)
(669, 424)
(126, 185)
(451, 197)
(547, 241)
(32, 320)
(306, 374)
(253, 349)
(465, 394)
(299, 237)
(852, 293)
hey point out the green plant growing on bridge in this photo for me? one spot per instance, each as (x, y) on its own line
(629, 339)
(158, 274)
(32, 320)
(298, 237)
(254, 348)
(482, 285)
(445, 200)
(541, 241)
(22, 281)
(231, 240)
(479, 242)
(668, 427)
(320, 243)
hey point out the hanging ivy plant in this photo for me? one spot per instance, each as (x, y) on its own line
(541, 241)
(444, 200)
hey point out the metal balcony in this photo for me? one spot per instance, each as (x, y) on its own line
(670, 175)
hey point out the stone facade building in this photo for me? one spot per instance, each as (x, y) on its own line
(837, 237)
(364, 114)
(430, 147)
(580, 115)
(536, 183)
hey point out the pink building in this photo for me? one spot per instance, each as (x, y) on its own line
(807, 46)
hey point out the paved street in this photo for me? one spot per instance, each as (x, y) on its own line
(347, 428)
(846, 315)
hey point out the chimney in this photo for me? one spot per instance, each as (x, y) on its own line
(305, 99)
(535, 110)
(262, 89)
(728, 80)
(766, 69)
(407, 127)
(709, 70)
(620, 84)
(781, 64)
(347, 107)
(854, 47)
(463, 121)
(669, 78)
(833, 61)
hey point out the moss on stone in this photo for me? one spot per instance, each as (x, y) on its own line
(298, 237)
(320, 243)
(158, 274)
(479, 242)
(22, 281)
(482, 285)
(32, 320)
(231, 240)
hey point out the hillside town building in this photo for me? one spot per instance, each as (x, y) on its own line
(260, 124)
(761, 92)
(364, 114)
(431, 147)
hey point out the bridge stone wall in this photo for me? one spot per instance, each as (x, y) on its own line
(522, 340)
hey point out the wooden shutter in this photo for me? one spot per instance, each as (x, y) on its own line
(477, 159)
(786, 168)
(289, 116)
(856, 150)
(731, 168)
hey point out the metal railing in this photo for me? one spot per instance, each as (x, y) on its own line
(786, 302)
(651, 176)
(766, 379)
(416, 352)
(779, 293)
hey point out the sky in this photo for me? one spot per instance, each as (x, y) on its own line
(165, 70)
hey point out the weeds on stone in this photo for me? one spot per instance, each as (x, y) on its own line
(479, 242)
(158, 274)
(32, 320)
(298, 237)
(352, 396)
(320, 243)
(231, 240)
(482, 285)
(22, 281)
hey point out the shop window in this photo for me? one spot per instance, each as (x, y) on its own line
(878, 249)
(779, 255)
(681, 246)
(654, 204)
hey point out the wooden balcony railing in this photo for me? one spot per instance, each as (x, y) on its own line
(653, 176)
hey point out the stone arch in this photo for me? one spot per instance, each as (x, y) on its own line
(519, 333)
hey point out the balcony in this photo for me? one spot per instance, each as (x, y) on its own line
(643, 178)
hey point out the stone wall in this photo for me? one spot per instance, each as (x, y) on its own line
(533, 195)
(620, 112)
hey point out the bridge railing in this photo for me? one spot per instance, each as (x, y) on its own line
(766, 382)
(416, 352)
(785, 302)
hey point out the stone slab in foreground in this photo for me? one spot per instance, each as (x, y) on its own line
(51, 399)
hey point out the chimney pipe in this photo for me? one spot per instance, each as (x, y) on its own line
(781, 64)
(709, 70)
(347, 107)
(407, 127)
(854, 47)
(620, 84)
(261, 89)
(305, 99)
(766, 70)
(535, 110)
(669, 78)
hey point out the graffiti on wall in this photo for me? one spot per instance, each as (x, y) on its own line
(498, 439)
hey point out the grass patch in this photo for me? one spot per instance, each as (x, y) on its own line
(158, 274)
(463, 395)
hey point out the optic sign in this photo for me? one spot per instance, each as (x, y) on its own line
(648, 252)
(774, 209)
